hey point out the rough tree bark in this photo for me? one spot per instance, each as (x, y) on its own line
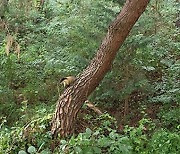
(72, 99)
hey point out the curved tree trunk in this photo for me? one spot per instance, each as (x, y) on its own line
(72, 99)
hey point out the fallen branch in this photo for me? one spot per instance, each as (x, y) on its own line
(91, 106)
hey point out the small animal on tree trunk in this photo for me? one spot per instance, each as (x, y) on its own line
(67, 81)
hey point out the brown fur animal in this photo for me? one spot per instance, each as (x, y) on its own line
(67, 81)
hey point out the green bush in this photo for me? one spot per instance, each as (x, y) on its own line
(163, 141)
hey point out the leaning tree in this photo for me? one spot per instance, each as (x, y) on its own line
(73, 97)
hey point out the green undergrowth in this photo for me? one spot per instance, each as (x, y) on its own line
(35, 137)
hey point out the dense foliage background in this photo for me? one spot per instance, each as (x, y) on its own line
(140, 96)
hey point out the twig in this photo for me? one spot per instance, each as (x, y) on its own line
(91, 106)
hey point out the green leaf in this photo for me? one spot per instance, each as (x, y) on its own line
(77, 149)
(96, 150)
(31, 149)
(88, 132)
(104, 142)
(87, 150)
(22, 152)
(63, 142)
(72, 141)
